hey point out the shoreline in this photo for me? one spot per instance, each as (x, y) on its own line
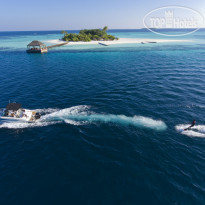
(119, 41)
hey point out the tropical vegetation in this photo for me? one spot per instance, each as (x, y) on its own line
(89, 35)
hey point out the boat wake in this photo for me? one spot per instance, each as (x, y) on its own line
(82, 114)
(196, 131)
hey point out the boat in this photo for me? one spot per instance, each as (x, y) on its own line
(102, 44)
(14, 111)
(151, 42)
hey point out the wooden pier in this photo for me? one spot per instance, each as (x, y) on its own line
(57, 45)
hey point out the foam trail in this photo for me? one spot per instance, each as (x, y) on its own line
(21, 125)
(137, 121)
(81, 114)
(72, 122)
(196, 131)
(46, 110)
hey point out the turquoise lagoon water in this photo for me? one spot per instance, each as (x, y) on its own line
(110, 131)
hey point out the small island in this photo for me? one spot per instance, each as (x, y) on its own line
(87, 35)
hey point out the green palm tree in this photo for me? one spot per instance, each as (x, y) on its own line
(105, 28)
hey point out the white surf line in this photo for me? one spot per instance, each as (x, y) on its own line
(120, 41)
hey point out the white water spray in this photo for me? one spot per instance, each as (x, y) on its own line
(196, 131)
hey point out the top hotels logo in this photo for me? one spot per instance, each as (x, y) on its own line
(184, 19)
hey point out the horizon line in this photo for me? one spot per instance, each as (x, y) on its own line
(98, 28)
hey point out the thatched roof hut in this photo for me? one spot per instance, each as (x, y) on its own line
(36, 43)
(36, 47)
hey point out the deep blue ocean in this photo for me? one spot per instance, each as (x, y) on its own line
(110, 130)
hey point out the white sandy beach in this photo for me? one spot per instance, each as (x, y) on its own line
(120, 41)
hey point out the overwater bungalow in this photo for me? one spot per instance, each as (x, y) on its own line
(36, 47)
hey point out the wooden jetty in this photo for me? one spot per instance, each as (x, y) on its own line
(57, 45)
